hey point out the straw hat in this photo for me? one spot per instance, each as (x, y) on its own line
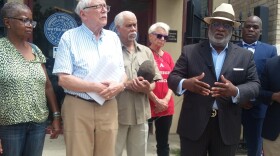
(223, 12)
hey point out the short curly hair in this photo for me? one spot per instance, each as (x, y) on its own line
(13, 9)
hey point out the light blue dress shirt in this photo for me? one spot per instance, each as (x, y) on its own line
(79, 52)
(218, 60)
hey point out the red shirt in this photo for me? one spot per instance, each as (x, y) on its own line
(165, 65)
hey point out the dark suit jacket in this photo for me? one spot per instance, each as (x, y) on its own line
(270, 81)
(262, 52)
(196, 109)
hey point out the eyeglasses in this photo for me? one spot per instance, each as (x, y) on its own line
(159, 36)
(216, 25)
(26, 21)
(99, 7)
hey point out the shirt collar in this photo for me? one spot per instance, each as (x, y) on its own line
(136, 45)
(90, 33)
(213, 49)
(251, 45)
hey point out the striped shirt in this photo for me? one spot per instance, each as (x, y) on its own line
(79, 52)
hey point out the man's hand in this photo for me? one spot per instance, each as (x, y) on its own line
(224, 88)
(139, 84)
(276, 97)
(195, 85)
(113, 89)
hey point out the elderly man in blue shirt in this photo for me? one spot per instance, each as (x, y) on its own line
(90, 127)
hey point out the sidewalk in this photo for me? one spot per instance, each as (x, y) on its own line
(56, 147)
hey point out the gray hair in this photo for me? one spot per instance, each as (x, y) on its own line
(119, 19)
(80, 6)
(13, 9)
(159, 25)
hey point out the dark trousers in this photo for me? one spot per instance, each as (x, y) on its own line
(210, 142)
(252, 129)
(162, 125)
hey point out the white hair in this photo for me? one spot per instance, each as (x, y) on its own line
(159, 25)
(119, 19)
(81, 4)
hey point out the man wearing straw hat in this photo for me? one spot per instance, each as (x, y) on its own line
(214, 76)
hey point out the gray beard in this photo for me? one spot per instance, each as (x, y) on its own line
(219, 42)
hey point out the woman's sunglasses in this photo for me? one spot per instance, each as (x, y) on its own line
(160, 36)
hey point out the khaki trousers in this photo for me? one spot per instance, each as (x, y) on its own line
(271, 148)
(89, 128)
(134, 138)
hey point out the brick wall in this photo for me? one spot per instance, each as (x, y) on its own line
(244, 8)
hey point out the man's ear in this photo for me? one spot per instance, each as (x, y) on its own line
(6, 23)
(82, 14)
(261, 32)
(117, 29)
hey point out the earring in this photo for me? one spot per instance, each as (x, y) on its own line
(8, 27)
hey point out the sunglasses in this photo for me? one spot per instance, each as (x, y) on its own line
(160, 36)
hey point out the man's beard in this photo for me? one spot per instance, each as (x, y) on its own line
(132, 36)
(219, 42)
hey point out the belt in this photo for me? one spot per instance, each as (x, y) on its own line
(76, 96)
(214, 113)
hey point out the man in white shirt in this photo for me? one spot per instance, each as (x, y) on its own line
(90, 129)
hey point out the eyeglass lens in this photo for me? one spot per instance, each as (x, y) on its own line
(107, 7)
(99, 6)
(26, 21)
(218, 24)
